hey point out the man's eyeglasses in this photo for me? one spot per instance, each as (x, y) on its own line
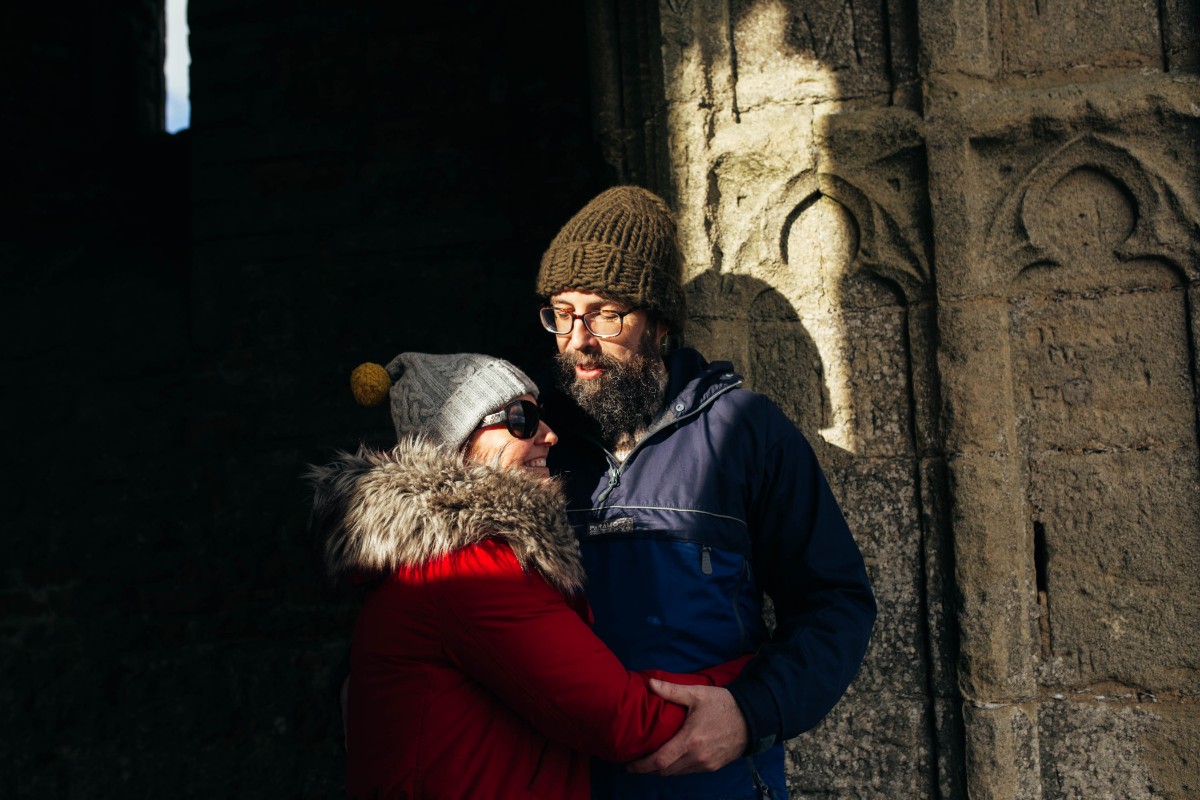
(521, 417)
(603, 324)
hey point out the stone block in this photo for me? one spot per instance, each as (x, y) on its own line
(1122, 541)
(1099, 369)
(1109, 746)
(878, 498)
(1061, 37)
(792, 52)
(845, 757)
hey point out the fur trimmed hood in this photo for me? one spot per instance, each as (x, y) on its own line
(380, 511)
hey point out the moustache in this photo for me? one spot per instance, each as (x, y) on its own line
(576, 359)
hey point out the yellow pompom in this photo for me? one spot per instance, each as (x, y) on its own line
(370, 383)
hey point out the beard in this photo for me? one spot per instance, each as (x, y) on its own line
(624, 399)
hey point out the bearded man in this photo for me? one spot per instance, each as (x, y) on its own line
(692, 497)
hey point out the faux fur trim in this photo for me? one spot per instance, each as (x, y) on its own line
(379, 511)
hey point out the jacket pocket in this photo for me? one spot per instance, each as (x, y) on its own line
(672, 602)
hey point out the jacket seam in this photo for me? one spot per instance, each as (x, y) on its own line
(660, 508)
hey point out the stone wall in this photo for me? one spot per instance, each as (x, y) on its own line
(958, 243)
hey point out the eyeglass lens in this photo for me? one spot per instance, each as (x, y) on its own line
(598, 323)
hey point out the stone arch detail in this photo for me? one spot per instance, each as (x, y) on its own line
(882, 248)
(1165, 225)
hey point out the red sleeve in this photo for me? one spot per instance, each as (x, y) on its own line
(516, 634)
(720, 675)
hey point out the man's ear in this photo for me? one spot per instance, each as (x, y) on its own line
(667, 339)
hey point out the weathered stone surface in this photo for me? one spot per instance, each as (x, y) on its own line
(1121, 577)
(974, 366)
(1002, 753)
(939, 601)
(994, 578)
(1106, 369)
(879, 498)
(1108, 420)
(1110, 746)
(1073, 35)
(898, 764)
(794, 52)
(888, 280)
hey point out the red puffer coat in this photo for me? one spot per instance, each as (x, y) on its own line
(473, 671)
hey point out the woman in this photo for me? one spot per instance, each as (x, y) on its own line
(473, 671)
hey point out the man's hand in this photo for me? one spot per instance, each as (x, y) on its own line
(713, 734)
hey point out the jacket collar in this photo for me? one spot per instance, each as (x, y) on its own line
(380, 511)
(692, 381)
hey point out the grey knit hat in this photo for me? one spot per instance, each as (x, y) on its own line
(622, 244)
(442, 397)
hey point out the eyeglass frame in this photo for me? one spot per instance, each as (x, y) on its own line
(532, 411)
(621, 315)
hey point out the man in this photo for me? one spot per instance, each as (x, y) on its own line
(691, 497)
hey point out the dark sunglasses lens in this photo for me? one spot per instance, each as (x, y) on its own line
(523, 419)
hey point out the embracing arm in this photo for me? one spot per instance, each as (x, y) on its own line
(809, 564)
(516, 634)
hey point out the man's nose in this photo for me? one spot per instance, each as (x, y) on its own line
(581, 338)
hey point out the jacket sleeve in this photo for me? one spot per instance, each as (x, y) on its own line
(808, 563)
(720, 675)
(517, 635)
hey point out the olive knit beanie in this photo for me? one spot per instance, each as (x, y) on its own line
(442, 397)
(622, 245)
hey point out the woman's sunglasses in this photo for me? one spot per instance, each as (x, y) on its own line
(521, 417)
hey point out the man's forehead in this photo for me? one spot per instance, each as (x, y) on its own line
(581, 299)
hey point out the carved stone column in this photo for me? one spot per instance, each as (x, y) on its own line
(973, 285)
(1062, 140)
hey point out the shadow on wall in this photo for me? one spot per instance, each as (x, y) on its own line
(838, 332)
(745, 320)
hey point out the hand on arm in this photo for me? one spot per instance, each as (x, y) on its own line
(713, 734)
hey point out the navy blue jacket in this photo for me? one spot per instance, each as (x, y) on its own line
(721, 501)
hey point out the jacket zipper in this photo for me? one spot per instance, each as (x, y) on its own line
(614, 480)
(615, 467)
(760, 786)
